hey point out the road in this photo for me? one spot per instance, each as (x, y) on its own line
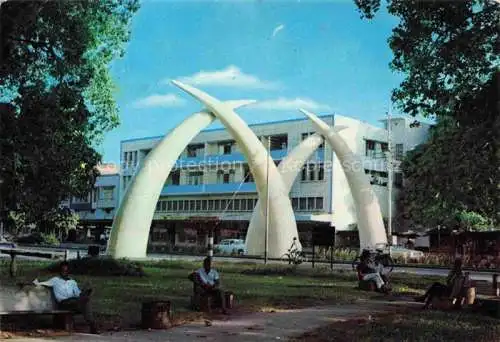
(72, 254)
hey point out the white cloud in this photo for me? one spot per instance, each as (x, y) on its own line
(158, 100)
(231, 76)
(290, 104)
(278, 29)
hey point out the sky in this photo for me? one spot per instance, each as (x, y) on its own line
(317, 55)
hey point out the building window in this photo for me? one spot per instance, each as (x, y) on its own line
(250, 204)
(370, 148)
(211, 205)
(225, 178)
(163, 205)
(398, 180)
(195, 150)
(174, 178)
(295, 203)
(236, 204)
(385, 147)
(226, 147)
(278, 142)
(243, 204)
(311, 172)
(399, 152)
(248, 174)
(310, 203)
(377, 177)
(321, 172)
(220, 176)
(223, 205)
(302, 204)
(303, 176)
(192, 205)
(195, 178)
(186, 205)
(169, 205)
(181, 205)
(204, 205)
(217, 205)
(319, 203)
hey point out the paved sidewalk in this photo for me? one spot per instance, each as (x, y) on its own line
(260, 326)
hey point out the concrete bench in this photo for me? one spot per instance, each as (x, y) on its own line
(62, 319)
(36, 301)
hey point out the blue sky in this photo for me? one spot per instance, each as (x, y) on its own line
(317, 55)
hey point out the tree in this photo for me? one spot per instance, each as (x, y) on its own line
(454, 178)
(58, 96)
(446, 49)
(448, 54)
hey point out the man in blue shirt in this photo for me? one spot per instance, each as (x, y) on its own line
(69, 296)
(210, 282)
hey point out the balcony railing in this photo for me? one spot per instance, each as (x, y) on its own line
(208, 188)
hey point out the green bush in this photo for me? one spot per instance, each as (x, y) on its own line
(50, 239)
(101, 267)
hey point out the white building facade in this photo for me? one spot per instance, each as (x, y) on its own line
(211, 184)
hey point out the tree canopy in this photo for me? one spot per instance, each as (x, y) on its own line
(57, 96)
(446, 50)
(448, 54)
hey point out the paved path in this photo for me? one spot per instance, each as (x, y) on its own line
(262, 327)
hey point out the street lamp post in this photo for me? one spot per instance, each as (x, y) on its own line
(267, 198)
(389, 175)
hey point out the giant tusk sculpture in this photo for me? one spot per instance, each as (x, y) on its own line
(370, 223)
(130, 231)
(282, 225)
(289, 168)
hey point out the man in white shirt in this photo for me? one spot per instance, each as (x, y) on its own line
(69, 296)
(210, 282)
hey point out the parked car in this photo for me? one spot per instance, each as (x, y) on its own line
(231, 246)
(400, 252)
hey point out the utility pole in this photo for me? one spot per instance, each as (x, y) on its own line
(389, 173)
(267, 198)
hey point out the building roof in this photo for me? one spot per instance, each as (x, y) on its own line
(223, 128)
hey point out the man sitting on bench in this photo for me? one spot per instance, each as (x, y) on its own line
(69, 297)
(210, 282)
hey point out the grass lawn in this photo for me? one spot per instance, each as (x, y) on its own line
(425, 326)
(117, 300)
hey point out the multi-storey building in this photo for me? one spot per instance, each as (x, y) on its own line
(212, 180)
(97, 210)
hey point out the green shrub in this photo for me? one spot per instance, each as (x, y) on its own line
(50, 239)
(101, 267)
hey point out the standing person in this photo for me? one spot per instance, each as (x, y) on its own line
(68, 295)
(210, 282)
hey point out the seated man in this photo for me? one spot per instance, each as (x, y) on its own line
(69, 297)
(368, 272)
(455, 283)
(210, 283)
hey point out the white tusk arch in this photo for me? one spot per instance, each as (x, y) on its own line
(370, 223)
(282, 225)
(130, 232)
(289, 168)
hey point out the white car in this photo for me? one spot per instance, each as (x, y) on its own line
(403, 252)
(232, 246)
